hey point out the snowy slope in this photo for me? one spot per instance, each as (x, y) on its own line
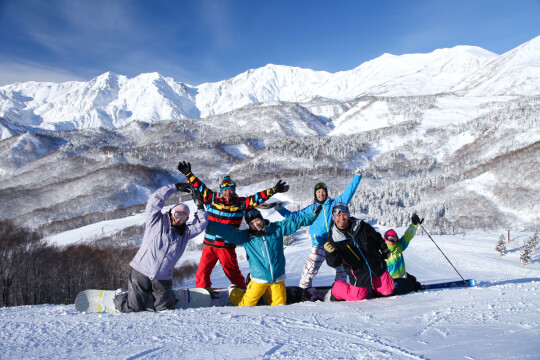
(497, 319)
(513, 73)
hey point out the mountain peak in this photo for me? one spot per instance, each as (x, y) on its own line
(110, 99)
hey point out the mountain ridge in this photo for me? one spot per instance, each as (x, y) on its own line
(464, 160)
(111, 100)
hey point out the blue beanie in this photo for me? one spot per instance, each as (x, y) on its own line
(227, 183)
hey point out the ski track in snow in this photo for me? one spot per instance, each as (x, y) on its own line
(497, 319)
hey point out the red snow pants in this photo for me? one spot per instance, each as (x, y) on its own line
(227, 258)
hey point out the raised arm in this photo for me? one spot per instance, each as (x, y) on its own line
(287, 214)
(198, 225)
(260, 197)
(291, 225)
(232, 234)
(410, 232)
(198, 185)
(348, 193)
(156, 202)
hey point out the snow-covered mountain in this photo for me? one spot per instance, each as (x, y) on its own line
(454, 134)
(108, 101)
(112, 100)
(513, 73)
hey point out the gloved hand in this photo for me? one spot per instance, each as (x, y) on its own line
(358, 172)
(183, 187)
(329, 247)
(317, 210)
(416, 220)
(278, 206)
(386, 254)
(184, 167)
(197, 199)
(281, 187)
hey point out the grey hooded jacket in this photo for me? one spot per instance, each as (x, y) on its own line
(162, 245)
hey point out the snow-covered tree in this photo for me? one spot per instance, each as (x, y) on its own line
(526, 253)
(501, 246)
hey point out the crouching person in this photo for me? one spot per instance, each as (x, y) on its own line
(356, 245)
(263, 242)
(396, 262)
(165, 239)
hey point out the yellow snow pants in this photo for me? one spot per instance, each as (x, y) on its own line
(275, 294)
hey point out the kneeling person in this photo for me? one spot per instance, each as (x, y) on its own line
(356, 245)
(263, 242)
(165, 239)
(396, 262)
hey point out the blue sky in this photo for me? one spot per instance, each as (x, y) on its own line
(197, 41)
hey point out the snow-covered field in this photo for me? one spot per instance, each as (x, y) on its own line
(497, 319)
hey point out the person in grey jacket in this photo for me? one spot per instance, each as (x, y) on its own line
(165, 239)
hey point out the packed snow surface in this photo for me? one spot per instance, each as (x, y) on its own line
(499, 318)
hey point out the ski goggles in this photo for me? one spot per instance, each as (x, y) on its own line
(227, 182)
(391, 238)
(180, 216)
(340, 209)
(320, 185)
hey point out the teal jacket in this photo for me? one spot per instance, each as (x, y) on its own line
(265, 253)
(320, 229)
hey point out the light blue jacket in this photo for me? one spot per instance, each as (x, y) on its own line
(321, 227)
(162, 245)
(265, 253)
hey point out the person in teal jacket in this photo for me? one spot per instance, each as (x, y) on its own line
(320, 229)
(395, 262)
(263, 242)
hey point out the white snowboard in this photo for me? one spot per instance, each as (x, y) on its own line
(101, 301)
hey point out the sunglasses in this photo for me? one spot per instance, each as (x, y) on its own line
(180, 216)
(340, 209)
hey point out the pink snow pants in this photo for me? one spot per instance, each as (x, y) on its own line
(384, 285)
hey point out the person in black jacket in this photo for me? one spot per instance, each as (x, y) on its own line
(362, 250)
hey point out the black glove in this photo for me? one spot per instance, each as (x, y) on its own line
(317, 210)
(386, 254)
(281, 187)
(184, 187)
(416, 220)
(197, 199)
(184, 167)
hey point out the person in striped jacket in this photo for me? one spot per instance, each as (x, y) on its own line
(395, 262)
(228, 208)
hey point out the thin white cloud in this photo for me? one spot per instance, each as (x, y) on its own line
(71, 27)
(15, 72)
(217, 17)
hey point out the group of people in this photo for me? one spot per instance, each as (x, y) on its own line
(351, 246)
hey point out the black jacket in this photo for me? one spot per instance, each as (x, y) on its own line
(360, 249)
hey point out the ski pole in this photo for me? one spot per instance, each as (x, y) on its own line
(442, 253)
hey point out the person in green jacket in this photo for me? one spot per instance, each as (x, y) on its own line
(263, 242)
(395, 262)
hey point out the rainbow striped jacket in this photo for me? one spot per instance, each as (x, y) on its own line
(396, 263)
(221, 210)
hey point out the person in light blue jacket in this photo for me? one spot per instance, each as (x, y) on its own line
(263, 242)
(320, 229)
(165, 239)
